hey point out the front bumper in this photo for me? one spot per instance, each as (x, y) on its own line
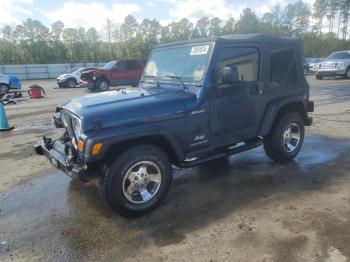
(55, 151)
(331, 72)
(62, 82)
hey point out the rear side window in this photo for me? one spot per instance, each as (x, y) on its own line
(246, 59)
(282, 64)
(133, 65)
(122, 66)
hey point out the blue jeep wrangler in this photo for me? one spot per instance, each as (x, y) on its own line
(197, 101)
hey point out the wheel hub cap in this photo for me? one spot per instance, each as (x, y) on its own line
(141, 182)
(291, 137)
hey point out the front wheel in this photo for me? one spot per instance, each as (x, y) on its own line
(137, 181)
(71, 83)
(102, 85)
(347, 74)
(319, 77)
(286, 138)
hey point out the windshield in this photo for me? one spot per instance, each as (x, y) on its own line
(340, 55)
(108, 66)
(183, 62)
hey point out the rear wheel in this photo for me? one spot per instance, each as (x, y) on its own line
(3, 89)
(286, 138)
(137, 181)
(102, 85)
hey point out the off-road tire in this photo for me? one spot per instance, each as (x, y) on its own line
(110, 183)
(318, 77)
(102, 85)
(273, 143)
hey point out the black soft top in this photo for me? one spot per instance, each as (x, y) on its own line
(258, 38)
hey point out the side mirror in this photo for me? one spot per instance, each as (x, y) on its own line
(229, 74)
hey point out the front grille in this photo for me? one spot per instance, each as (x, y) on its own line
(328, 66)
(67, 121)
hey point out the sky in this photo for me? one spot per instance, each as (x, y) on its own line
(88, 13)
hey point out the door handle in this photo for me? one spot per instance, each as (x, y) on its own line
(255, 90)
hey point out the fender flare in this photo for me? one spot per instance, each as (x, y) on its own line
(109, 142)
(272, 111)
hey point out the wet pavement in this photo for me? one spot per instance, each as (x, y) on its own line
(54, 218)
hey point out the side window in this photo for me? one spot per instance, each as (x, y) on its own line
(133, 65)
(245, 59)
(280, 61)
(122, 66)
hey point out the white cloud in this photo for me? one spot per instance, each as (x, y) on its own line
(196, 9)
(9, 9)
(93, 14)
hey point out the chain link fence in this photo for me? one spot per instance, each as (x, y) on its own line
(42, 71)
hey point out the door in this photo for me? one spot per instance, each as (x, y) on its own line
(119, 73)
(233, 105)
(134, 72)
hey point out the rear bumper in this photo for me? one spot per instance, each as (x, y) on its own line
(55, 153)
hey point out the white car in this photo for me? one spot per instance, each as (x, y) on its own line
(336, 64)
(71, 79)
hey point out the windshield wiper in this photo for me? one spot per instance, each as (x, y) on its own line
(178, 78)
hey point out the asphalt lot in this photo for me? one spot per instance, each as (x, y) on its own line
(244, 208)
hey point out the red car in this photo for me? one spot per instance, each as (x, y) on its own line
(114, 73)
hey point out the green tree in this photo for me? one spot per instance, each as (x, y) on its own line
(215, 27)
(201, 29)
(229, 27)
(247, 23)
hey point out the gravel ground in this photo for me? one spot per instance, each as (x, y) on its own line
(244, 208)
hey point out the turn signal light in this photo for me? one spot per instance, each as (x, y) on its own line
(96, 148)
(80, 145)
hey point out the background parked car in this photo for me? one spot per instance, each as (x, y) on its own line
(72, 79)
(114, 73)
(336, 64)
(313, 64)
(8, 82)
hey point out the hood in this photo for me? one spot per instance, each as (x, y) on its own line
(332, 61)
(64, 76)
(131, 106)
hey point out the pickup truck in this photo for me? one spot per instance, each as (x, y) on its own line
(197, 101)
(114, 73)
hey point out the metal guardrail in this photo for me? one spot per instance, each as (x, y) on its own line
(42, 71)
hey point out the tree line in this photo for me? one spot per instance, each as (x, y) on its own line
(323, 28)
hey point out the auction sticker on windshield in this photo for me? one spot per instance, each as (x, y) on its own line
(199, 50)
